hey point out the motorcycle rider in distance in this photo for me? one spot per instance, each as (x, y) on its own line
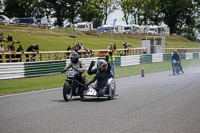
(78, 66)
(101, 76)
(176, 57)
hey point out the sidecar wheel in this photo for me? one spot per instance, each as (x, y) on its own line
(112, 90)
(67, 92)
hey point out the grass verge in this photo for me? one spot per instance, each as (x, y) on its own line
(45, 82)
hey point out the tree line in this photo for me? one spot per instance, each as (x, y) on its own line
(182, 16)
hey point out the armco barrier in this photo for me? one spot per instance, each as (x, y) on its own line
(167, 57)
(189, 56)
(130, 60)
(183, 55)
(87, 61)
(33, 69)
(157, 57)
(195, 55)
(145, 58)
(11, 70)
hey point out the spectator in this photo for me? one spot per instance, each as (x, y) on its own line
(8, 56)
(125, 47)
(115, 47)
(76, 47)
(109, 46)
(69, 48)
(2, 37)
(86, 53)
(20, 49)
(12, 48)
(36, 49)
(1, 51)
(123, 43)
(2, 48)
(111, 59)
(30, 49)
(90, 53)
(81, 46)
(10, 39)
(128, 49)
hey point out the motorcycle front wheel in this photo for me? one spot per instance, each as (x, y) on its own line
(67, 92)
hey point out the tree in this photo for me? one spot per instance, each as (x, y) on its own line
(97, 11)
(126, 6)
(108, 6)
(19, 8)
(73, 9)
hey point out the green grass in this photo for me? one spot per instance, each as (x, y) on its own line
(58, 40)
(45, 82)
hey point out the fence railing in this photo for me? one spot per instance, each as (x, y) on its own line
(182, 50)
(59, 55)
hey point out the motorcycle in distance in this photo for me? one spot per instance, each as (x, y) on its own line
(176, 68)
(73, 87)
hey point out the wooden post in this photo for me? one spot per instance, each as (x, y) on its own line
(40, 57)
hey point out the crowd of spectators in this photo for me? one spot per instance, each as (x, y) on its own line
(11, 48)
(84, 52)
(78, 47)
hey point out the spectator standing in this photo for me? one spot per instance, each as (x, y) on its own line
(81, 46)
(69, 48)
(12, 48)
(111, 59)
(115, 47)
(1, 51)
(30, 49)
(8, 56)
(20, 49)
(35, 49)
(123, 43)
(125, 47)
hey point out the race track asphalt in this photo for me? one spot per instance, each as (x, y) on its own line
(156, 103)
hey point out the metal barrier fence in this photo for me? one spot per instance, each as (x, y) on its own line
(182, 50)
(59, 55)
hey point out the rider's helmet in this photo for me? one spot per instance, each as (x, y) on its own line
(175, 52)
(74, 57)
(102, 65)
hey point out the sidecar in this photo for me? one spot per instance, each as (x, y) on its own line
(110, 90)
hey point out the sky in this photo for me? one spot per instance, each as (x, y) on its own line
(118, 14)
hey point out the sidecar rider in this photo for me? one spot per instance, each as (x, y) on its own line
(101, 76)
(91, 71)
(77, 65)
(176, 57)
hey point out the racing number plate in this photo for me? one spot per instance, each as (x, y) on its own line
(70, 74)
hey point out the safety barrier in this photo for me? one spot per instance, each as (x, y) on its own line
(11, 70)
(32, 69)
(166, 57)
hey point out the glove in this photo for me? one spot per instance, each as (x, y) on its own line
(92, 64)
